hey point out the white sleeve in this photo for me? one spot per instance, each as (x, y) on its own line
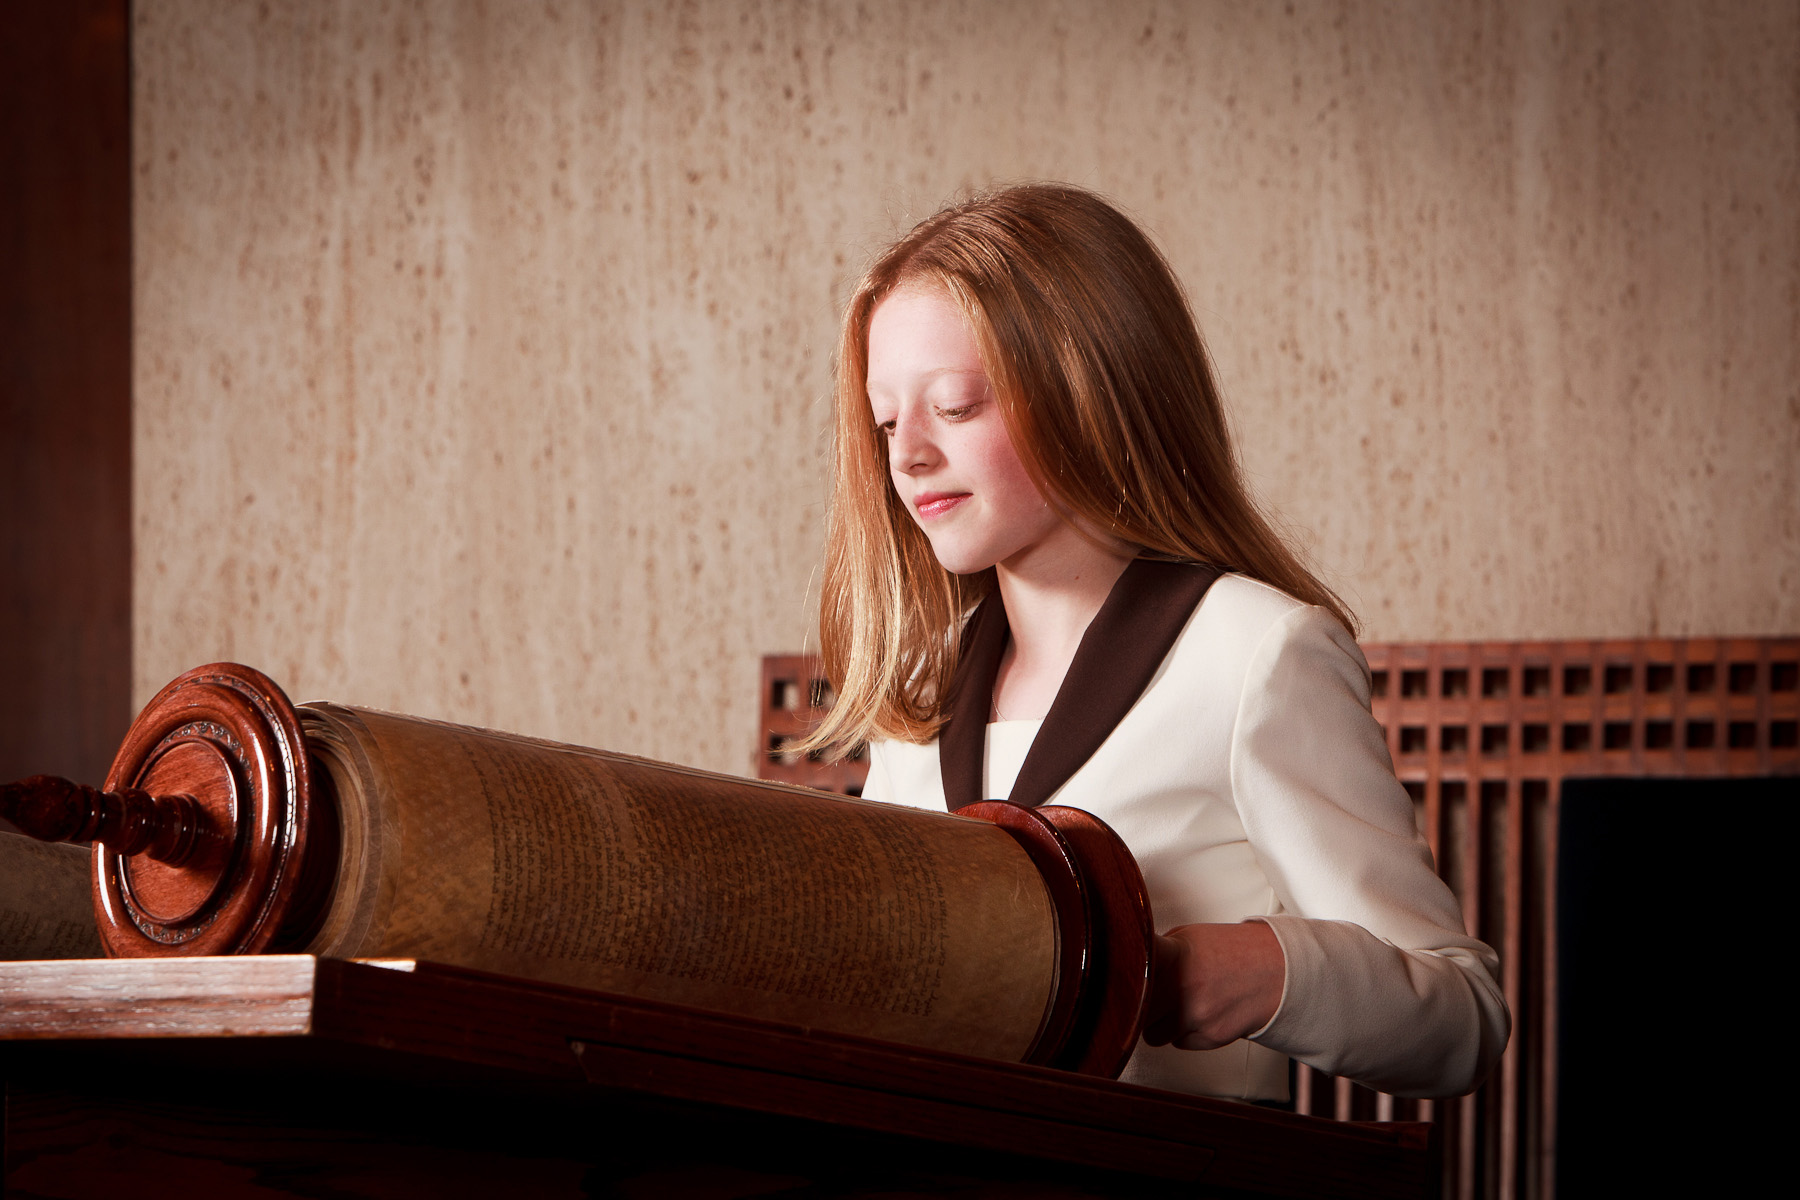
(1384, 985)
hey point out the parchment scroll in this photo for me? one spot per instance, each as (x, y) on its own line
(600, 870)
(46, 900)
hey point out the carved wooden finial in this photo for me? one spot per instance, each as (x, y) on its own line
(225, 743)
(128, 821)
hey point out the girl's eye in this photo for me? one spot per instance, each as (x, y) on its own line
(960, 413)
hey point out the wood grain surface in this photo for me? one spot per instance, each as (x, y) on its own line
(236, 1066)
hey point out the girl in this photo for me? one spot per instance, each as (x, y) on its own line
(1045, 581)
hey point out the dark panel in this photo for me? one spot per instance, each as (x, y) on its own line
(65, 386)
(1672, 1019)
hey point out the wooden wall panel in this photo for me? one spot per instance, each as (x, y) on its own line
(1483, 734)
(65, 387)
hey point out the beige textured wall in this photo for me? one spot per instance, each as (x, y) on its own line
(482, 349)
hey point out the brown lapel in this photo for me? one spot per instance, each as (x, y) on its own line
(1120, 652)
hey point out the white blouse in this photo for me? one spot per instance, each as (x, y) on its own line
(1008, 742)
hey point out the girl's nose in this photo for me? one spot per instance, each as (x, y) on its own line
(909, 448)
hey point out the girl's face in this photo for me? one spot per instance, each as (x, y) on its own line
(949, 453)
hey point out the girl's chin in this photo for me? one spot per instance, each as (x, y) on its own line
(960, 562)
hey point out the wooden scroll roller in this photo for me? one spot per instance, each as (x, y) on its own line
(234, 823)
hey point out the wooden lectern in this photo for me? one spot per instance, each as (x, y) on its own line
(290, 1075)
(665, 983)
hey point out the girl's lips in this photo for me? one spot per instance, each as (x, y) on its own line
(936, 504)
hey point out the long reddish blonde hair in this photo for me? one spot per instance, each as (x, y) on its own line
(1107, 391)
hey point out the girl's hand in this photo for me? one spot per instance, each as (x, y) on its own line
(1213, 984)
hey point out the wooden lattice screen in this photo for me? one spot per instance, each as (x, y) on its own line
(1482, 735)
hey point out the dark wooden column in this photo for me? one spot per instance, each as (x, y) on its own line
(65, 385)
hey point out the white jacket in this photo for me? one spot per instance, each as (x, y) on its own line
(1251, 782)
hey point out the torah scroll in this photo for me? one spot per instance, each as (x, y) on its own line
(233, 822)
(46, 905)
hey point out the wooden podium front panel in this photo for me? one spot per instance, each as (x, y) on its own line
(289, 1075)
